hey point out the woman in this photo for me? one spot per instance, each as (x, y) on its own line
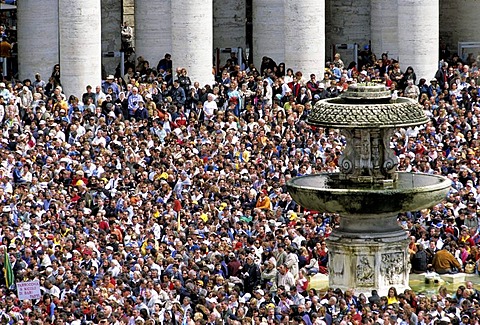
(184, 80)
(47, 306)
(289, 76)
(392, 296)
(409, 75)
(280, 71)
(411, 298)
(56, 74)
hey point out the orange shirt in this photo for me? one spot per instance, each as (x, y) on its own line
(263, 203)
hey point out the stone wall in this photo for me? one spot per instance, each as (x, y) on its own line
(129, 12)
(229, 19)
(153, 35)
(346, 21)
(384, 28)
(111, 37)
(458, 23)
(268, 30)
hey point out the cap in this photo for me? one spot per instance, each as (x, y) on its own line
(260, 291)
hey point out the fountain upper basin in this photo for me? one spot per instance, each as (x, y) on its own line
(327, 193)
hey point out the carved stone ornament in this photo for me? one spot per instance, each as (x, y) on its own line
(366, 117)
(392, 267)
(365, 271)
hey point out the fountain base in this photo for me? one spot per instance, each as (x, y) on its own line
(364, 262)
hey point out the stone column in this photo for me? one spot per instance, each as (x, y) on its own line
(111, 33)
(305, 36)
(37, 38)
(192, 38)
(268, 30)
(153, 30)
(419, 36)
(384, 27)
(80, 43)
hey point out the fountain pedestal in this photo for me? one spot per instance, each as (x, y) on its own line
(368, 250)
(368, 263)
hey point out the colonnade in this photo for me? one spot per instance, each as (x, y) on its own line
(69, 32)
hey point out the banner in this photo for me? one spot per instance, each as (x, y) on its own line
(29, 290)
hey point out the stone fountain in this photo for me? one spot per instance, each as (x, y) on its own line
(368, 250)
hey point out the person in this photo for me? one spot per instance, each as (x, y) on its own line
(251, 274)
(419, 260)
(338, 61)
(444, 262)
(392, 296)
(165, 63)
(88, 94)
(56, 74)
(178, 93)
(127, 36)
(184, 80)
(110, 83)
(442, 75)
(412, 90)
(38, 82)
(134, 102)
(6, 52)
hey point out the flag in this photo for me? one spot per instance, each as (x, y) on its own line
(7, 269)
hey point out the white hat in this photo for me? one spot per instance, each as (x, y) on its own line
(260, 291)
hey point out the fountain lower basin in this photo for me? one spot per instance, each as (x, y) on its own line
(327, 193)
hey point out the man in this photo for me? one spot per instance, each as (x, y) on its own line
(133, 102)
(110, 83)
(313, 85)
(441, 75)
(100, 96)
(178, 93)
(127, 34)
(444, 262)
(5, 93)
(251, 274)
(165, 63)
(39, 82)
(419, 260)
(285, 277)
(5, 48)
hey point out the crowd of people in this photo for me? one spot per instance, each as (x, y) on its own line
(155, 200)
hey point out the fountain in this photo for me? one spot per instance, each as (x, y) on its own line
(368, 250)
